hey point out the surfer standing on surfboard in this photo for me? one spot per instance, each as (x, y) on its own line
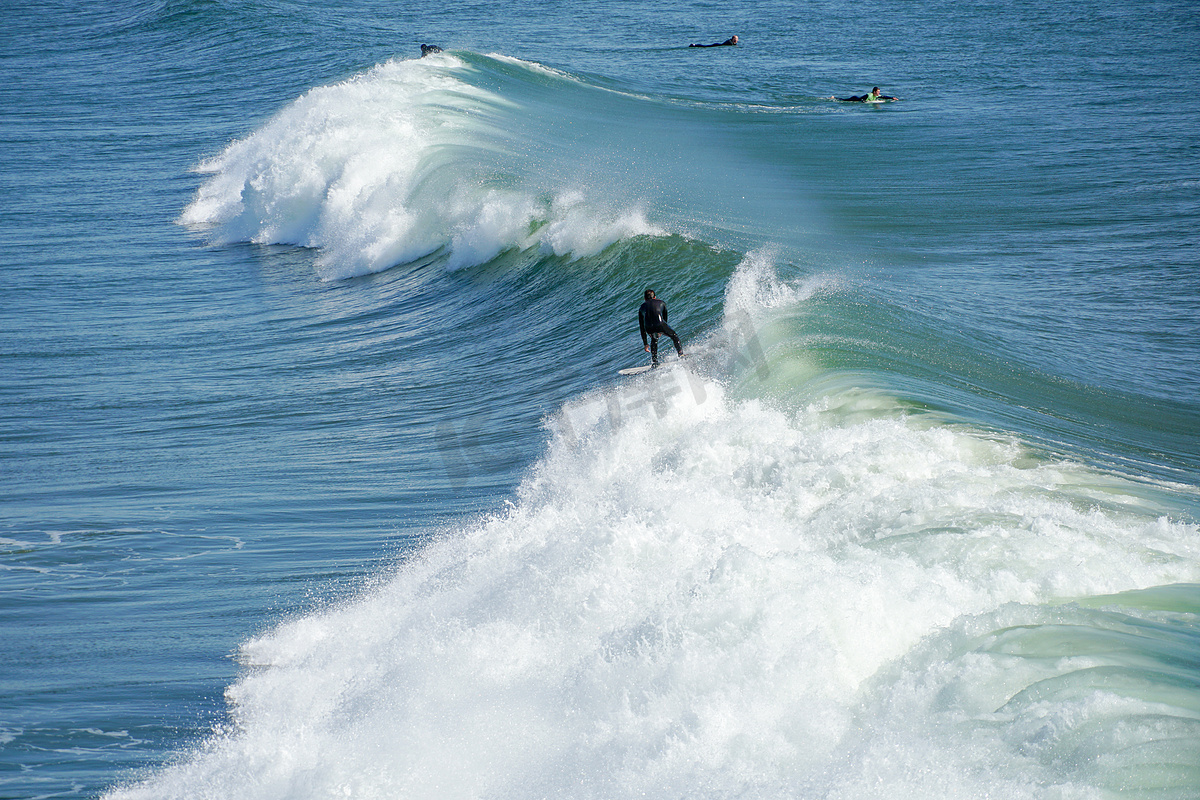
(652, 321)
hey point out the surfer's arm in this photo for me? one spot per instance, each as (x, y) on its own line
(642, 325)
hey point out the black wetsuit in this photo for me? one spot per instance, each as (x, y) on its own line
(863, 98)
(727, 43)
(652, 321)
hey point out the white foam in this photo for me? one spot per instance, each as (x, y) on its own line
(397, 163)
(755, 289)
(698, 596)
(575, 227)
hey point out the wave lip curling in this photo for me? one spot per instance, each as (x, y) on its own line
(398, 163)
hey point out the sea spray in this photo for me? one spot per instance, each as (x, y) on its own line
(702, 595)
(405, 160)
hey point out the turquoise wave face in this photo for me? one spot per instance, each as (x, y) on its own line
(701, 583)
(756, 569)
(459, 158)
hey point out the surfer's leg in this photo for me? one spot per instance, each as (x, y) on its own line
(654, 348)
(674, 338)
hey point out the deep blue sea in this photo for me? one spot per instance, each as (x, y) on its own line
(317, 477)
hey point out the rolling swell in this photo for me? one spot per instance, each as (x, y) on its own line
(465, 159)
(698, 591)
(794, 564)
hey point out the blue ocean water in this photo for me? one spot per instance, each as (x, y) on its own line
(317, 478)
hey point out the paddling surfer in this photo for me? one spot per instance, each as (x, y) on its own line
(730, 42)
(652, 322)
(872, 96)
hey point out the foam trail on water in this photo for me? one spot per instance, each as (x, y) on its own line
(402, 161)
(697, 594)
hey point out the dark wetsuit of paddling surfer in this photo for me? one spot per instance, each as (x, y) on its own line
(652, 321)
(730, 42)
(870, 97)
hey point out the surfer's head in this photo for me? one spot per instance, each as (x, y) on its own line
(649, 294)
(733, 38)
(875, 90)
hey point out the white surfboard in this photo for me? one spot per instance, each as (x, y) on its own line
(635, 370)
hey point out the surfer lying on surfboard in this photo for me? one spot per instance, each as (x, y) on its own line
(652, 321)
(872, 96)
(731, 41)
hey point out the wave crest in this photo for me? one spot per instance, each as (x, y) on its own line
(400, 162)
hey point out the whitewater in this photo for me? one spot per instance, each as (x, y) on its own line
(699, 593)
(318, 478)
